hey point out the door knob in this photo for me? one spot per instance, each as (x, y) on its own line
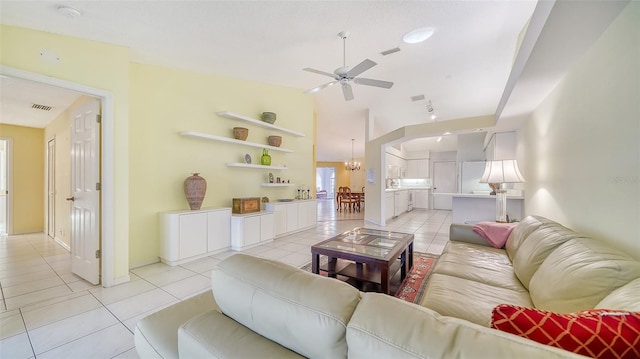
(71, 199)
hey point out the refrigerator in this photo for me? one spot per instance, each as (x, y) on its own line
(470, 174)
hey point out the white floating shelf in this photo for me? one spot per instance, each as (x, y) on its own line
(277, 184)
(249, 165)
(207, 136)
(235, 116)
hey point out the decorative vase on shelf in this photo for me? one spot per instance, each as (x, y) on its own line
(265, 160)
(195, 187)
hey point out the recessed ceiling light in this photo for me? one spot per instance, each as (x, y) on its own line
(433, 117)
(418, 35)
(447, 133)
(69, 12)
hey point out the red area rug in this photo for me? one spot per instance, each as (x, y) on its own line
(411, 289)
(413, 285)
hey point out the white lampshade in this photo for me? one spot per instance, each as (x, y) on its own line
(502, 171)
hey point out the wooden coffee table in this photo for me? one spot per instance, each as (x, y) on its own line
(376, 255)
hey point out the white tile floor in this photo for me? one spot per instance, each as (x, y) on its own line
(48, 312)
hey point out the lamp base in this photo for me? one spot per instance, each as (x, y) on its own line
(501, 206)
(494, 188)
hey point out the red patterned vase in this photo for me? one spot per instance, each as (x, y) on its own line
(195, 188)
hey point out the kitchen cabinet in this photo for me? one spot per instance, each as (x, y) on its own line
(251, 229)
(294, 216)
(389, 198)
(421, 198)
(188, 235)
(417, 168)
(401, 202)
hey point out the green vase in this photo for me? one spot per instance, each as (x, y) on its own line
(265, 160)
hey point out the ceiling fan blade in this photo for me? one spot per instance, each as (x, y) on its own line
(321, 73)
(372, 82)
(347, 91)
(360, 68)
(316, 89)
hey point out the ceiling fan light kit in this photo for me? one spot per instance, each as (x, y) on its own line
(344, 75)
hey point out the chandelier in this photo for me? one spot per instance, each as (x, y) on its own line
(352, 165)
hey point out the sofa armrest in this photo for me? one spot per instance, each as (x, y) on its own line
(464, 233)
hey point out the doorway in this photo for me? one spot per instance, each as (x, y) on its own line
(5, 170)
(444, 182)
(106, 216)
(51, 187)
(326, 180)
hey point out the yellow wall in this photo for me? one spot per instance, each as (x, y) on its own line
(580, 150)
(94, 64)
(60, 130)
(151, 104)
(165, 101)
(27, 177)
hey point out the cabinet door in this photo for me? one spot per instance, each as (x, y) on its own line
(412, 168)
(267, 230)
(292, 217)
(193, 234)
(421, 199)
(280, 219)
(423, 168)
(389, 205)
(251, 230)
(219, 230)
(312, 213)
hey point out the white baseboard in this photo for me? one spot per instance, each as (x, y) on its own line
(62, 243)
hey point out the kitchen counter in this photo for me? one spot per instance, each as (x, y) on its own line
(406, 189)
(469, 208)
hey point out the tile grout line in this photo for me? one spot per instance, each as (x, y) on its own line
(26, 331)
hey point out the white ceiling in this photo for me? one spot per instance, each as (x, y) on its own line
(463, 68)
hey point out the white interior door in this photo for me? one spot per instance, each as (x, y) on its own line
(51, 186)
(85, 179)
(444, 181)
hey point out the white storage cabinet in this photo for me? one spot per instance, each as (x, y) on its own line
(251, 229)
(188, 235)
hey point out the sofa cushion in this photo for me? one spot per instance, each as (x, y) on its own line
(579, 274)
(626, 297)
(156, 336)
(594, 333)
(468, 299)
(214, 335)
(521, 232)
(478, 263)
(535, 249)
(304, 312)
(386, 327)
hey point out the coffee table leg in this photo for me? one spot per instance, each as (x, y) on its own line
(384, 279)
(331, 267)
(410, 255)
(404, 265)
(315, 263)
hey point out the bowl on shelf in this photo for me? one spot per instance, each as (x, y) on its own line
(240, 133)
(269, 117)
(274, 141)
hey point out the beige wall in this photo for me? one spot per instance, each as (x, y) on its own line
(580, 150)
(165, 101)
(27, 177)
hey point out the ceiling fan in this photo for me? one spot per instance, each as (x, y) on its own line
(344, 75)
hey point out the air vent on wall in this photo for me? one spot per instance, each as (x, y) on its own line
(41, 107)
(417, 98)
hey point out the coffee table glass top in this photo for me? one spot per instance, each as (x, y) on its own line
(370, 242)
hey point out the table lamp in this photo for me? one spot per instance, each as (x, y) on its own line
(495, 174)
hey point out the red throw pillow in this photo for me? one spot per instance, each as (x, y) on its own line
(598, 333)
